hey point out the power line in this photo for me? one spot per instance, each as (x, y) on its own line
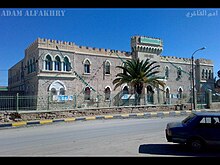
(177, 67)
(91, 79)
(82, 80)
(78, 75)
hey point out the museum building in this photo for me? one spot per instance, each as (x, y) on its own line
(61, 74)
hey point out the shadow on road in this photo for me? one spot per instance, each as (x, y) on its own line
(176, 150)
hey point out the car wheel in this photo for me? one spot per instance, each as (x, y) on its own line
(196, 145)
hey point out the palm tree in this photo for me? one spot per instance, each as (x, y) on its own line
(137, 73)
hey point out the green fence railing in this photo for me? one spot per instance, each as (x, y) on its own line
(76, 101)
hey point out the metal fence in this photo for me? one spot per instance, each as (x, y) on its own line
(16, 103)
(216, 97)
(48, 102)
(201, 100)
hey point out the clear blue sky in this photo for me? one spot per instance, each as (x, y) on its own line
(183, 30)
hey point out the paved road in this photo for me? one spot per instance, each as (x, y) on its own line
(109, 137)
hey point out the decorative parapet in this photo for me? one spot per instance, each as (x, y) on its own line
(32, 47)
(53, 44)
(175, 59)
(72, 47)
(203, 61)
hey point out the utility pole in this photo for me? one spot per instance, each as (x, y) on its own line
(193, 83)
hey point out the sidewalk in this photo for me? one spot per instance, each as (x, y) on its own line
(116, 116)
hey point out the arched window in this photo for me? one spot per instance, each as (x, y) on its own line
(107, 93)
(62, 91)
(107, 67)
(57, 64)
(167, 96)
(180, 93)
(48, 63)
(53, 91)
(166, 72)
(190, 75)
(206, 74)
(31, 66)
(210, 74)
(34, 65)
(179, 73)
(57, 88)
(150, 94)
(87, 66)
(87, 93)
(125, 90)
(28, 67)
(66, 64)
(203, 74)
(167, 93)
(53, 94)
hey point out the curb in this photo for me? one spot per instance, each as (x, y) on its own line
(117, 116)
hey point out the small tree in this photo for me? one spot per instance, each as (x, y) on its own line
(136, 73)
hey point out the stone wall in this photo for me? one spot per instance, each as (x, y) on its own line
(215, 105)
(59, 114)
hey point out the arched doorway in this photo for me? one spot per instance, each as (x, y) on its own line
(180, 93)
(167, 96)
(125, 96)
(107, 93)
(150, 95)
(125, 90)
(87, 93)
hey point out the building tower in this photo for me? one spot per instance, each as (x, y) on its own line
(146, 47)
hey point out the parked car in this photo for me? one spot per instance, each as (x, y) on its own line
(198, 130)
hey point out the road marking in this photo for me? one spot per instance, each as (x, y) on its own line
(153, 114)
(108, 117)
(91, 118)
(140, 114)
(166, 113)
(46, 121)
(125, 115)
(69, 119)
(19, 123)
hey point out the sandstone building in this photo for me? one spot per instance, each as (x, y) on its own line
(62, 74)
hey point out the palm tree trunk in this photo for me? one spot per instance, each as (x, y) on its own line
(138, 91)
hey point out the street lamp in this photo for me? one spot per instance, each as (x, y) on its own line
(193, 88)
